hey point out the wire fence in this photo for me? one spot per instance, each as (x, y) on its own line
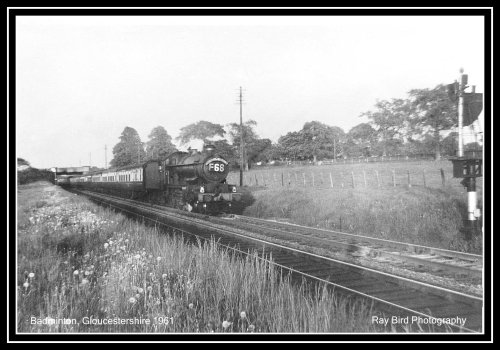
(350, 177)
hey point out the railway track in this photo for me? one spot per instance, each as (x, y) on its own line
(436, 259)
(395, 295)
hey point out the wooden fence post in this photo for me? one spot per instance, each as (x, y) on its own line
(331, 181)
(304, 176)
(409, 179)
(394, 177)
(378, 180)
(425, 184)
(282, 182)
(443, 180)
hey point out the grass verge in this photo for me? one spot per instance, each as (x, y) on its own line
(82, 268)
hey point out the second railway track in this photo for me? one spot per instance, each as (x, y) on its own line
(393, 294)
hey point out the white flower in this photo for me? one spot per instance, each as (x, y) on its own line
(106, 245)
(75, 273)
(226, 324)
(137, 256)
(140, 290)
(150, 288)
(191, 305)
(243, 314)
(85, 281)
(158, 258)
(86, 273)
(31, 275)
(164, 276)
(132, 300)
(251, 328)
(26, 285)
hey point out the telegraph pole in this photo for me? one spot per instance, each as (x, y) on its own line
(242, 146)
(90, 159)
(105, 156)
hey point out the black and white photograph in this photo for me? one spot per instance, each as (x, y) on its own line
(249, 175)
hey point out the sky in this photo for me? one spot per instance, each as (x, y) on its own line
(81, 80)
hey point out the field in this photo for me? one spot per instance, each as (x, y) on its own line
(80, 265)
(383, 206)
(433, 174)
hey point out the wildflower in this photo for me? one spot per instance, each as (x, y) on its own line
(226, 324)
(106, 245)
(132, 300)
(243, 314)
(150, 256)
(26, 285)
(150, 288)
(190, 305)
(126, 241)
(110, 242)
(164, 276)
(31, 275)
(138, 296)
(137, 256)
(75, 273)
(86, 273)
(140, 290)
(85, 281)
(251, 328)
(158, 258)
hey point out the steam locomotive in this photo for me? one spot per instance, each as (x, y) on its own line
(192, 181)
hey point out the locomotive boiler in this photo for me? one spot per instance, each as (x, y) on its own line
(192, 181)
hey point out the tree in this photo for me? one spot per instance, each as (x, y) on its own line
(361, 140)
(130, 149)
(160, 144)
(21, 161)
(432, 111)
(391, 122)
(321, 140)
(316, 140)
(201, 130)
(250, 139)
(449, 144)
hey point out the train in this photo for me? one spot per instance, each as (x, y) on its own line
(193, 181)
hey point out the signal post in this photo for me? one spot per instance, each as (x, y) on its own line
(468, 166)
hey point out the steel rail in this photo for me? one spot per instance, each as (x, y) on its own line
(441, 297)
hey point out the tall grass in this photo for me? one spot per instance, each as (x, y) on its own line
(415, 215)
(76, 261)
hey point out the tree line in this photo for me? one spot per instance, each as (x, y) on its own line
(410, 126)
